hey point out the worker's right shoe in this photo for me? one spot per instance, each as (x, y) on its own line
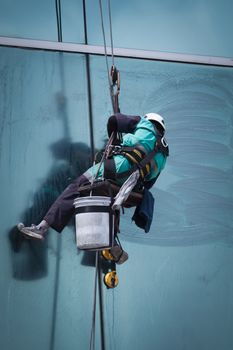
(119, 255)
(32, 231)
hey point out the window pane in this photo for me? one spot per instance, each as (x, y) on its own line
(169, 274)
(44, 144)
(182, 267)
(172, 26)
(72, 21)
(196, 104)
(37, 20)
(194, 27)
(28, 19)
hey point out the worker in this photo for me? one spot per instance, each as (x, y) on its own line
(141, 136)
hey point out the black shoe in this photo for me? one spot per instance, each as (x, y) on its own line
(119, 255)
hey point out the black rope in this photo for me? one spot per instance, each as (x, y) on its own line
(59, 24)
(89, 90)
(92, 337)
(101, 306)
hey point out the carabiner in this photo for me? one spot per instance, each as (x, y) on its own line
(115, 75)
(164, 142)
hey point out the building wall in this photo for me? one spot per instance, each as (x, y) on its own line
(176, 288)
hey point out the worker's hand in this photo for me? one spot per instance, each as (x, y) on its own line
(122, 123)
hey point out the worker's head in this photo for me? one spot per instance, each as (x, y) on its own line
(157, 120)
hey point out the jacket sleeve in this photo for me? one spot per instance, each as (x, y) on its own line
(122, 123)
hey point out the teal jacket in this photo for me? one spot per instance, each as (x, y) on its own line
(137, 131)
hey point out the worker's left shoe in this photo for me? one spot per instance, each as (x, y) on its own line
(32, 231)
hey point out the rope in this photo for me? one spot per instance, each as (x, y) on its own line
(110, 23)
(114, 101)
(58, 15)
(92, 337)
(105, 50)
(115, 95)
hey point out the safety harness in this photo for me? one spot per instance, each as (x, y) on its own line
(138, 157)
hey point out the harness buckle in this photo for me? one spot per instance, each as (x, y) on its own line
(164, 142)
(113, 150)
(116, 149)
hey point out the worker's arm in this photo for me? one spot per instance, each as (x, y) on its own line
(122, 123)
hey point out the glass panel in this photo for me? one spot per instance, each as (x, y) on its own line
(37, 19)
(178, 277)
(177, 280)
(194, 27)
(28, 19)
(72, 21)
(172, 26)
(44, 144)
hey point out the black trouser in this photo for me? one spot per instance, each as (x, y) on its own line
(62, 209)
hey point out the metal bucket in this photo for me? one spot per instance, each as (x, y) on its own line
(93, 222)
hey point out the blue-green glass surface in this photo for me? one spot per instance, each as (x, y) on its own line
(28, 19)
(194, 27)
(175, 290)
(38, 19)
(44, 144)
(72, 21)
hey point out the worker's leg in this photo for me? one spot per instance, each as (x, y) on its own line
(59, 213)
(62, 209)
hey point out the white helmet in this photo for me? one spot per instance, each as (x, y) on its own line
(156, 118)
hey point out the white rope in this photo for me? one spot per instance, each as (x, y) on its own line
(105, 50)
(110, 24)
(105, 154)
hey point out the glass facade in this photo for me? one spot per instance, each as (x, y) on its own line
(38, 19)
(194, 27)
(190, 27)
(175, 291)
(44, 145)
(28, 19)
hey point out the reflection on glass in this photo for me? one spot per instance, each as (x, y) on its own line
(182, 267)
(44, 144)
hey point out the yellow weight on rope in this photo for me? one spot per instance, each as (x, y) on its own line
(107, 255)
(111, 279)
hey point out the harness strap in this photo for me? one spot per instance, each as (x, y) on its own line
(137, 157)
(109, 169)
